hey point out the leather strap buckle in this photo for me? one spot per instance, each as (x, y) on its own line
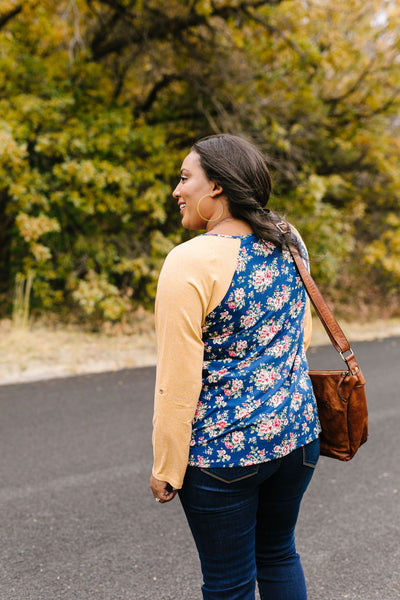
(345, 358)
(353, 369)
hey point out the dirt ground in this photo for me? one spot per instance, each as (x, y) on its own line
(45, 352)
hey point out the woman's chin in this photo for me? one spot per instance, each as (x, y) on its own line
(191, 224)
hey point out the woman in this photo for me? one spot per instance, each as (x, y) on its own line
(235, 420)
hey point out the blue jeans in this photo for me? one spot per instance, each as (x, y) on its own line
(243, 520)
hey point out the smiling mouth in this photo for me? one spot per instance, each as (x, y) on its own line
(182, 206)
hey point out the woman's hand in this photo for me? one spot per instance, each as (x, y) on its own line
(162, 490)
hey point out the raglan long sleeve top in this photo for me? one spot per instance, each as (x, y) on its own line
(232, 385)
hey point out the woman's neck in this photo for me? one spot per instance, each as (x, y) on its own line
(230, 226)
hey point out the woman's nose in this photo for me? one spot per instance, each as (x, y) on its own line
(176, 192)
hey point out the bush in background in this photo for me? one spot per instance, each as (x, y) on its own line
(100, 101)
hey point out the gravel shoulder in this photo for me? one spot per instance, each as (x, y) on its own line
(44, 353)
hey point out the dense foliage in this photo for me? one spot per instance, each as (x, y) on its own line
(100, 100)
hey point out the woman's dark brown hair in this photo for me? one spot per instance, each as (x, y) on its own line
(242, 171)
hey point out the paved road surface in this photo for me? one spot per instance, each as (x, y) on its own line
(77, 520)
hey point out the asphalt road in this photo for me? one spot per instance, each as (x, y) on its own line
(77, 519)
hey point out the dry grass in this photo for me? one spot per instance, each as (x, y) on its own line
(357, 332)
(43, 351)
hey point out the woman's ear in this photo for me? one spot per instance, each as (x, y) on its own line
(217, 190)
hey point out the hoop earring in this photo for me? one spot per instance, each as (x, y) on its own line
(201, 216)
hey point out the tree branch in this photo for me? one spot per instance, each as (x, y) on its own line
(274, 29)
(10, 15)
(160, 25)
(335, 100)
(157, 87)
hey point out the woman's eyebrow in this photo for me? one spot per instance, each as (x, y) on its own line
(187, 170)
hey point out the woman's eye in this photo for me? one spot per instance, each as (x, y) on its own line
(183, 178)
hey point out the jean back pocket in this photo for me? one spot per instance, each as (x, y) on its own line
(231, 474)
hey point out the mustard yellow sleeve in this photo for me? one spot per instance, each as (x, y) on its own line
(179, 315)
(193, 281)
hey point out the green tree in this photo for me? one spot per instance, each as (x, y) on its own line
(100, 100)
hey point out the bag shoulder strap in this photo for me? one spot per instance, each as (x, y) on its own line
(332, 327)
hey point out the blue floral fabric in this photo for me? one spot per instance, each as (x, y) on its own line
(257, 402)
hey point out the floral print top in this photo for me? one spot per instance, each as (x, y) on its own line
(256, 403)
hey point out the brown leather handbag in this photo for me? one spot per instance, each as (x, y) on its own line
(340, 394)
